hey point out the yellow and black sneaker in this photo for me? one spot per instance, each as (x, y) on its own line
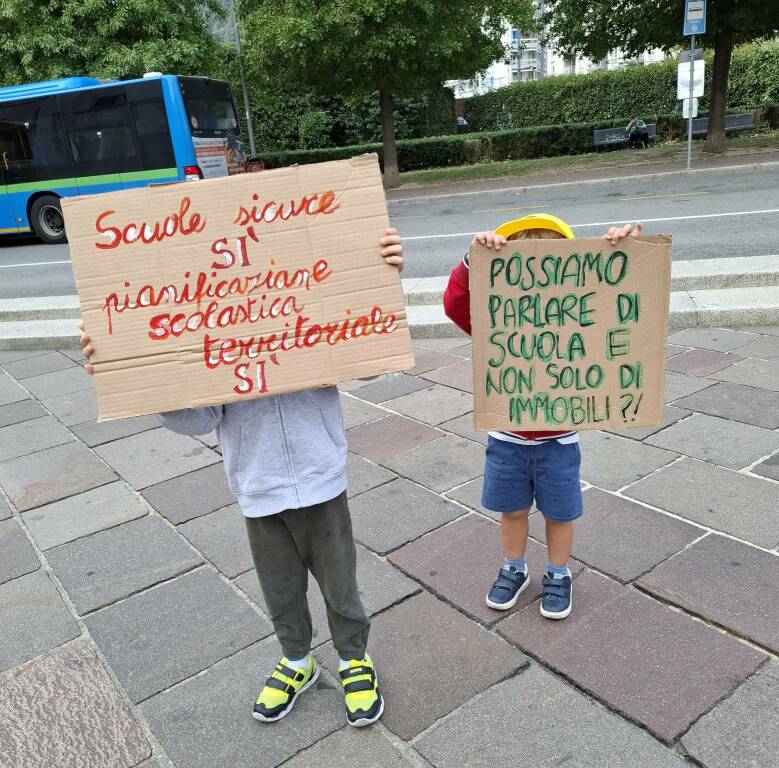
(282, 688)
(364, 703)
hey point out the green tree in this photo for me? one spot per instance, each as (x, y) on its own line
(593, 29)
(43, 39)
(395, 48)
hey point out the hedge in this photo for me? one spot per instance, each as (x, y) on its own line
(608, 95)
(492, 146)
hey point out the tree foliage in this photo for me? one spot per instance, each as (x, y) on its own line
(44, 39)
(353, 48)
(594, 29)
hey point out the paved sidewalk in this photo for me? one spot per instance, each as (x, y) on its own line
(132, 630)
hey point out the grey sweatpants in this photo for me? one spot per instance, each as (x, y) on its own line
(285, 547)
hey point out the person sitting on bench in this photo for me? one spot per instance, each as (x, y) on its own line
(638, 136)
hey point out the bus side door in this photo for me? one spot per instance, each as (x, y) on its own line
(8, 222)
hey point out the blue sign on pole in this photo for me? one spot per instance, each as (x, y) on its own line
(694, 17)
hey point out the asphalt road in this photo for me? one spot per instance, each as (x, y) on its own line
(711, 215)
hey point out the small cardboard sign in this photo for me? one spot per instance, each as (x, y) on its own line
(569, 334)
(225, 289)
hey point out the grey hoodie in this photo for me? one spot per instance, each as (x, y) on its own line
(280, 452)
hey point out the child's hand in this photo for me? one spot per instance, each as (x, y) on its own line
(86, 347)
(615, 234)
(392, 248)
(490, 239)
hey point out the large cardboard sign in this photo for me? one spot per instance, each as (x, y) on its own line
(224, 289)
(570, 334)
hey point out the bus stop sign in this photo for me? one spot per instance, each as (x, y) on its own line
(694, 17)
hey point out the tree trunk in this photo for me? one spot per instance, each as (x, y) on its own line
(715, 136)
(391, 173)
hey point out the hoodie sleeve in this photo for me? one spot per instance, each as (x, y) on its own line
(192, 421)
(457, 298)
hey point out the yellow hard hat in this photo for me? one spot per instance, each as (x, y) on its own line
(535, 221)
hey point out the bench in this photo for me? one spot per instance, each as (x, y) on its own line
(611, 137)
(733, 123)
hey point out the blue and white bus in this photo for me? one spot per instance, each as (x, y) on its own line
(79, 135)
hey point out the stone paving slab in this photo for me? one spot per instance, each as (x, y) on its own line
(718, 441)
(406, 645)
(726, 582)
(17, 557)
(737, 402)
(727, 501)
(10, 391)
(445, 344)
(671, 414)
(206, 722)
(636, 655)
(81, 515)
(221, 537)
(768, 468)
(75, 354)
(24, 410)
(550, 724)
(718, 339)
(11, 355)
(158, 638)
(151, 457)
(469, 495)
(441, 464)
(463, 426)
(362, 475)
(95, 433)
(701, 362)
(394, 385)
(388, 436)
(379, 583)
(39, 364)
(765, 348)
(33, 619)
(612, 462)
(744, 729)
(5, 510)
(752, 372)
(607, 533)
(458, 375)
(74, 407)
(395, 513)
(31, 436)
(429, 360)
(671, 350)
(349, 748)
(358, 412)
(471, 545)
(109, 565)
(433, 405)
(680, 384)
(59, 382)
(63, 710)
(52, 474)
(189, 496)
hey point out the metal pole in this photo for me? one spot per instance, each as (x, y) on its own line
(689, 116)
(249, 125)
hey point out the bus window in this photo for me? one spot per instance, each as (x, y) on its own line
(32, 142)
(100, 132)
(209, 106)
(151, 125)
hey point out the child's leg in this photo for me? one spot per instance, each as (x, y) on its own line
(559, 541)
(513, 533)
(284, 580)
(323, 536)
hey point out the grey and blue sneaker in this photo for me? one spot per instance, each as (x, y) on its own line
(507, 588)
(557, 599)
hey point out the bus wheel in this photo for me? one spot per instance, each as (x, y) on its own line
(46, 219)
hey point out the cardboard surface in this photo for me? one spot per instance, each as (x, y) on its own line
(224, 289)
(570, 334)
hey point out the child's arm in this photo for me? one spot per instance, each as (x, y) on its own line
(457, 298)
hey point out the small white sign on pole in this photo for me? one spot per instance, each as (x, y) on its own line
(683, 79)
(686, 108)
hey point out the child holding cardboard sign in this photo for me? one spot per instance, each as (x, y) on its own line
(521, 467)
(285, 458)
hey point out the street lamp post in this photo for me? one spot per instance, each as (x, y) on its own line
(249, 124)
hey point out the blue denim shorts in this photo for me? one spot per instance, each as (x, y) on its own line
(515, 475)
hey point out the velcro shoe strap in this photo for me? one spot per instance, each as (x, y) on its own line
(356, 672)
(274, 682)
(508, 580)
(359, 685)
(292, 674)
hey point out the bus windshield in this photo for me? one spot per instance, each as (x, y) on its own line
(209, 107)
